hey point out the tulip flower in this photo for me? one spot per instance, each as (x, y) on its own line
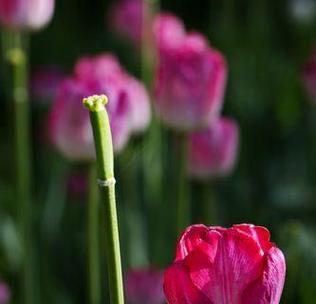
(144, 286)
(215, 265)
(169, 31)
(45, 82)
(4, 293)
(213, 151)
(26, 14)
(190, 84)
(309, 77)
(126, 18)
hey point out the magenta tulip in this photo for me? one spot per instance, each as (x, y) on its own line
(213, 151)
(5, 293)
(169, 31)
(309, 77)
(214, 265)
(126, 19)
(26, 14)
(190, 84)
(102, 74)
(144, 286)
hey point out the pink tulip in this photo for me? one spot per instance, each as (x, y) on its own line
(309, 77)
(144, 286)
(102, 74)
(190, 84)
(26, 14)
(213, 151)
(126, 19)
(5, 294)
(169, 31)
(45, 82)
(214, 265)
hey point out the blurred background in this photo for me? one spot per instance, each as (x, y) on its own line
(266, 44)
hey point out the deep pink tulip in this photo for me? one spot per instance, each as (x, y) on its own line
(169, 31)
(213, 151)
(100, 74)
(45, 82)
(144, 286)
(309, 77)
(26, 14)
(5, 293)
(190, 84)
(126, 18)
(214, 265)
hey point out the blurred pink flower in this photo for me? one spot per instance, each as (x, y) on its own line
(237, 265)
(45, 81)
(169, 31)
(309, 77)
(102, 74)
(5, 293)
(144, 286)
(77, 184)
(26, 14)
(213, 151)
(190, 84)
(126, 18)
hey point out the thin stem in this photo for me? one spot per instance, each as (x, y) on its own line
(93, 238)
(183, 205)
(104, 152)
(17, 57)
(208, 209)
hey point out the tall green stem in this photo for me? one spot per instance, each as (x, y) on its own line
(16, 54)
(104, 152)
(93, 238)
(208, 209)
(183, 202)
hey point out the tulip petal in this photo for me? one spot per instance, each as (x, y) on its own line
(268, 289)
(179, 289)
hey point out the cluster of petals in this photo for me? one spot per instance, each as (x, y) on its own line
(215, 265)
(213, 150)
(126, 19)
(191, 76)
(26, 14)
(144, 286)
(69, 122)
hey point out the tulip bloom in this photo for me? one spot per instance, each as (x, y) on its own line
(70, 123)
(213, 151)
(309, 77)
(144, 286)
(190, 84)
(214, 265)
(26, 14)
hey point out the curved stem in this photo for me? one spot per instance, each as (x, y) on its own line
(183, 204)
(16, 55)
(93, 238)
(104, 152)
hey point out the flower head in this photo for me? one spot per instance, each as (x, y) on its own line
(26, 14)
(238, 265)
(213, 151)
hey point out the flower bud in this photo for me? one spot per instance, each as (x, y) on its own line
(26, 14)
(190, 84)
(238, 265)
(213, 151)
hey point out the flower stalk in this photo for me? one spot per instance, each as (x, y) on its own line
(105, 164)
(16, 56)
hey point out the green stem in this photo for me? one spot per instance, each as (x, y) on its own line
(16, 55)
(104, 152)
(208, 209)
(183, 204)
(93, 239)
